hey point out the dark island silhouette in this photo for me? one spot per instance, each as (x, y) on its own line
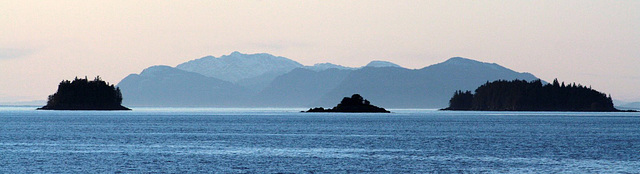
(354, 104)
(82, 94)
(520, 95)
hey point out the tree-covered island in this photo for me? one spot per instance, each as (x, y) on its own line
(353, 104)
(520, 95)
(82, 94)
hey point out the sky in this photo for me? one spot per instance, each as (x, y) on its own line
(594, 43)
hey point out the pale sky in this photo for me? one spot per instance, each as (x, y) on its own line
(594, 43)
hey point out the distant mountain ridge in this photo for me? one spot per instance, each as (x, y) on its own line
(300, 87)
(632, 105)
(167, 86)
(237, 66)
(428, 87)
(264, 80)
(325, 66)
(379, 63)
(256, 71)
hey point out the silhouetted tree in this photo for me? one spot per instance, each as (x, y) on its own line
(82, 94)
(520, 95)
(355, 103)
(461, 100)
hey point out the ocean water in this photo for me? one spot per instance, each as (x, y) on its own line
(205, 140)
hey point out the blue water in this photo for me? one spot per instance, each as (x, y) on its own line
(178, 140)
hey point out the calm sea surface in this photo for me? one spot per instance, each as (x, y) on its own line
(178, 140)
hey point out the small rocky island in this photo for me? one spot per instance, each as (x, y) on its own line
(354, 104)
(520, 95)
(82, 94)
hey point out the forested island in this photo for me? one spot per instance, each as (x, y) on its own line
(355, 103)
(82, 94)
(520, 95)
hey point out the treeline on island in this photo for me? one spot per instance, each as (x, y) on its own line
(355, 103)
(520, 95)
(83, 94)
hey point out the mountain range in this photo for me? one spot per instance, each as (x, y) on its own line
(633, 106)
(168, 86)
(264, 80)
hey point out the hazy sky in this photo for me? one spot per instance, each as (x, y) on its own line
(594, 43)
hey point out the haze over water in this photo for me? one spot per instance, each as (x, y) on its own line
(286, 141)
